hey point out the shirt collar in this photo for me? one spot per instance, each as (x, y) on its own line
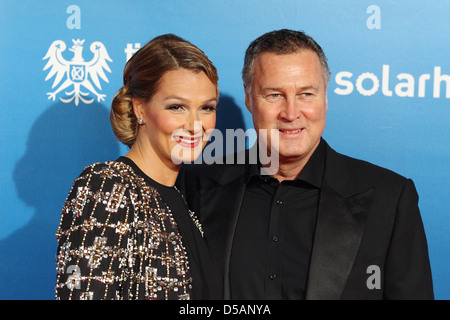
(312, 173)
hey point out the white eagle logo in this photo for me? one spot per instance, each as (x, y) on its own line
(77, 71)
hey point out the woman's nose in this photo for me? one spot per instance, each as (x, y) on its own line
(194, 124)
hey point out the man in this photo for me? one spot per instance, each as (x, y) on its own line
(323, 226)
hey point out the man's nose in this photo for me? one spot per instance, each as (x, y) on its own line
(291, 110)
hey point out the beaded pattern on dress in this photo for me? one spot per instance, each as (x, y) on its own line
(117, 239)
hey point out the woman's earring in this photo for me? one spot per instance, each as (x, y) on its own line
(140, 121)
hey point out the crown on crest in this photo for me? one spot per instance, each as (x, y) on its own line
(78, 42)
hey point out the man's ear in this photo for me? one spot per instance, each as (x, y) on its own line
(247, 99)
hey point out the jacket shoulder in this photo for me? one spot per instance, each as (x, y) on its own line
(362, 174)
(358, 166)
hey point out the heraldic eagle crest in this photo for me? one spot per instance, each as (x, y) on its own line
(77, 72)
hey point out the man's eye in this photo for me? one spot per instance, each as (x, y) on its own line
(273, 96)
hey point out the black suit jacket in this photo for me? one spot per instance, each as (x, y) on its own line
(368, 225)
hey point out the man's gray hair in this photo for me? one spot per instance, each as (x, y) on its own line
(282, 42)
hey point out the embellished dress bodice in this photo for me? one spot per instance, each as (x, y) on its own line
(119, 238)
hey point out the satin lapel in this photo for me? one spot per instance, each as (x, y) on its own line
(224, 200)
(341, 218)
(339, 229)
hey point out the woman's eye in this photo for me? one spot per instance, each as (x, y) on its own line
(175, 107)
(209, 108)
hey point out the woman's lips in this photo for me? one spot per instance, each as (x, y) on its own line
(188, 141)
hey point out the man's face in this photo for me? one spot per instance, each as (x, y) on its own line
(288, 94)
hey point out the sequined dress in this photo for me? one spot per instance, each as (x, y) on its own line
(124, 236)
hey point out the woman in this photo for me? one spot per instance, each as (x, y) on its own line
(125, 230)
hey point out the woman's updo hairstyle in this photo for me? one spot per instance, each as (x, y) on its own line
(141, 77)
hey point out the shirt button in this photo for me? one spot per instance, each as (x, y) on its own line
(275, 239)
(273, 276)
(279, 202)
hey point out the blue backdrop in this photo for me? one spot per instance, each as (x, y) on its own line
(388, 100)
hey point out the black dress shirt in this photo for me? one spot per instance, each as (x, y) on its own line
(274, 234)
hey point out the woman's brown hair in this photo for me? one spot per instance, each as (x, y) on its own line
(141, 77)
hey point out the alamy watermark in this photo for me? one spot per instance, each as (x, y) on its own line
(267, 152)
(74, 278)
(374, 280)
